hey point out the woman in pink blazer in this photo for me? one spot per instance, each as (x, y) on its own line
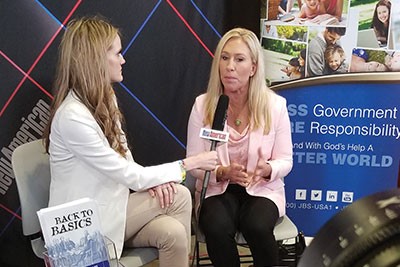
(245, 192)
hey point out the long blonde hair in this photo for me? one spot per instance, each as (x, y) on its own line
(259, 93)
(83, 68)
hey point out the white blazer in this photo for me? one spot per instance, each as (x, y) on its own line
(84, 165)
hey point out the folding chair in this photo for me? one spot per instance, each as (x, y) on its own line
(31, 169)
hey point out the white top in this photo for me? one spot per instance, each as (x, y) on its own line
(84, 165)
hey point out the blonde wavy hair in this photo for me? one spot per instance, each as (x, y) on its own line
(259, 93)
(83, 68)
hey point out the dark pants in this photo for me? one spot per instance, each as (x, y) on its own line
(235, 210)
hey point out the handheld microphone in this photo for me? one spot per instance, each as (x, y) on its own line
(217, 127)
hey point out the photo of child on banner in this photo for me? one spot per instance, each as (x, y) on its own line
(318, 60)
(292, 70)
(374, 23)
(282, 54)
(372, 60)
(307, 12)
(335, 59)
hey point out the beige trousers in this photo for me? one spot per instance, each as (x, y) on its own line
(168, 229)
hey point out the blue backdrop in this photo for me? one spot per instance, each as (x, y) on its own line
(346, 143)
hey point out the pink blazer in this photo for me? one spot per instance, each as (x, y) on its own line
(276, 147)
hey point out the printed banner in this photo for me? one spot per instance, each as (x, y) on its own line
(346, 144)
(314, 38)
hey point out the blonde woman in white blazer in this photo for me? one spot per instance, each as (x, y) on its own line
(246, 192)
(89, 155)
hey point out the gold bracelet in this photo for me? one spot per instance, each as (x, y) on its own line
(183, 169)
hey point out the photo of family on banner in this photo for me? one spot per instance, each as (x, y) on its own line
(308, 38)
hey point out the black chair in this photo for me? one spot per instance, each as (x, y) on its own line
(291, 242)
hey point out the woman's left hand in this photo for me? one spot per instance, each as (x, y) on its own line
(165, 193)
(263, 169)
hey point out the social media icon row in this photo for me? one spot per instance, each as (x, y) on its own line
(330, 196)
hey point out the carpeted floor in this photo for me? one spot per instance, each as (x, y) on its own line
(203, 251)
(242, 251)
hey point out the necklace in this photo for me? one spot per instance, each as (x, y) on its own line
(237, 121)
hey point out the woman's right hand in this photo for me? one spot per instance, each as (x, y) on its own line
(206, 161)
(165, 193)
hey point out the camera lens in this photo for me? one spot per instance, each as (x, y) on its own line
(364, 234)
